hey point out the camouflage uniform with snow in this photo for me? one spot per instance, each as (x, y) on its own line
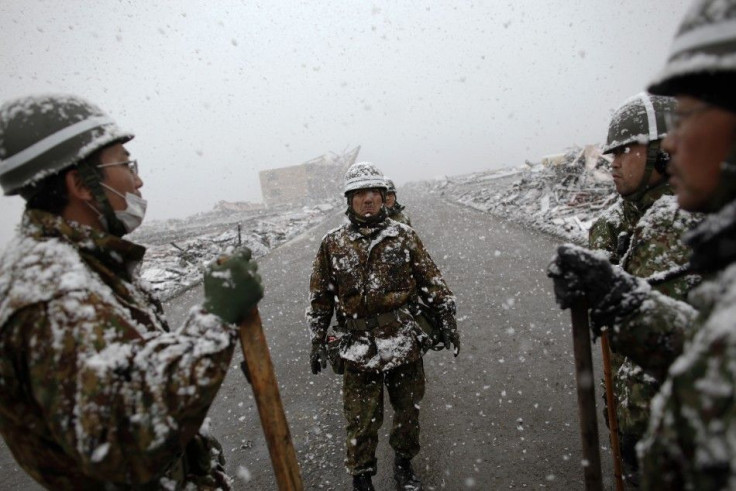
(360, 273)
(643, 237)
(690, 441)
(97, 393)
(691, 347)
(396, 212)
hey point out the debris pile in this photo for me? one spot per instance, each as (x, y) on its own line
(562, 198)
(179, 250)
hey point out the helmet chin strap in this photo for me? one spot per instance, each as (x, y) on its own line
(369, 221)
(653, 150)
(91, 179)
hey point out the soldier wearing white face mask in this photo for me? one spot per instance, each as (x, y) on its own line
(51, 141)
(96, 392)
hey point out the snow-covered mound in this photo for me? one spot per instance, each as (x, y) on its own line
(562, 198)
(179, 250)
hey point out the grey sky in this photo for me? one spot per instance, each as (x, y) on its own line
(216, 91)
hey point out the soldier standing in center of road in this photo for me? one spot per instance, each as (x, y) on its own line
(394, 209)
(641, 232)
(368, 272)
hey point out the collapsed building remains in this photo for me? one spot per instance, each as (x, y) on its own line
(310, 182)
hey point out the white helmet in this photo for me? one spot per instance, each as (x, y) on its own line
(363, 175)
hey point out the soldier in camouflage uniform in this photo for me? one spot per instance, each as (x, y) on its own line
(368, 272)
(641, 232)
(394, 209)
(96, 392)
(691, 346)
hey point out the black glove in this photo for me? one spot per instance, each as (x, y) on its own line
(580, 273)
(451, 337)
(318, 357)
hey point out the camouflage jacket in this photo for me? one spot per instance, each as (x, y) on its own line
(95, 391)
(397, 213)
(690, 439)
(644, 237)
(362, 272)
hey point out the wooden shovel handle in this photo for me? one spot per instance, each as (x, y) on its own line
(612, 417)
(586, 396)
(268, 400)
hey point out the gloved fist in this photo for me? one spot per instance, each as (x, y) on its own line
(232, 288)
(579, 273)
(450, 337)
(318, 357)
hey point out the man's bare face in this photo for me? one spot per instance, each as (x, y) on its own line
(698, 145)
(367, 202)
(627, 168)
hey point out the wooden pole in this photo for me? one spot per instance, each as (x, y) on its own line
(268, 400)
(612, 417)
(586, 396)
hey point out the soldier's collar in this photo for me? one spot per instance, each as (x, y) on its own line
(384, 229)
(713, 240)
(115, 252)
(643, 201)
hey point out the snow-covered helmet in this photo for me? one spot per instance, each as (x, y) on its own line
(43, 135)
(363, 175)
(641, 119)
(702, 59)
(702, 64)
(390, 186)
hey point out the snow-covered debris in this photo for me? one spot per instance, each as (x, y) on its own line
(562, 197)
(180, 249)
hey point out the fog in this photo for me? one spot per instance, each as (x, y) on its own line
(217, 91)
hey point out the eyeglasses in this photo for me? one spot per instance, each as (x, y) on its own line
(132, 165)
(674, 119)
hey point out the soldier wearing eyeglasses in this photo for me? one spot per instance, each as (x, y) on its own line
(96, 392)
(689, 346)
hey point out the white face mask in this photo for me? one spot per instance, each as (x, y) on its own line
(135, 209)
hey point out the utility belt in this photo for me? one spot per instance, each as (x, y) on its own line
(374, 321)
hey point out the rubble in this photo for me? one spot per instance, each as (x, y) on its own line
(178, 250)
(561, 196)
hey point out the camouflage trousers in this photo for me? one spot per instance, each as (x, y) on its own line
(201, 467)
(363, 407)
(633, 390)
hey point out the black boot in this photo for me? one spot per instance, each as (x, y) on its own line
(362, 482)
(404, 475)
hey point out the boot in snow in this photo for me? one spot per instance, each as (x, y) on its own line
(406, 479)
(362, 482)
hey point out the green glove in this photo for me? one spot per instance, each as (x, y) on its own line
(232, 288)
